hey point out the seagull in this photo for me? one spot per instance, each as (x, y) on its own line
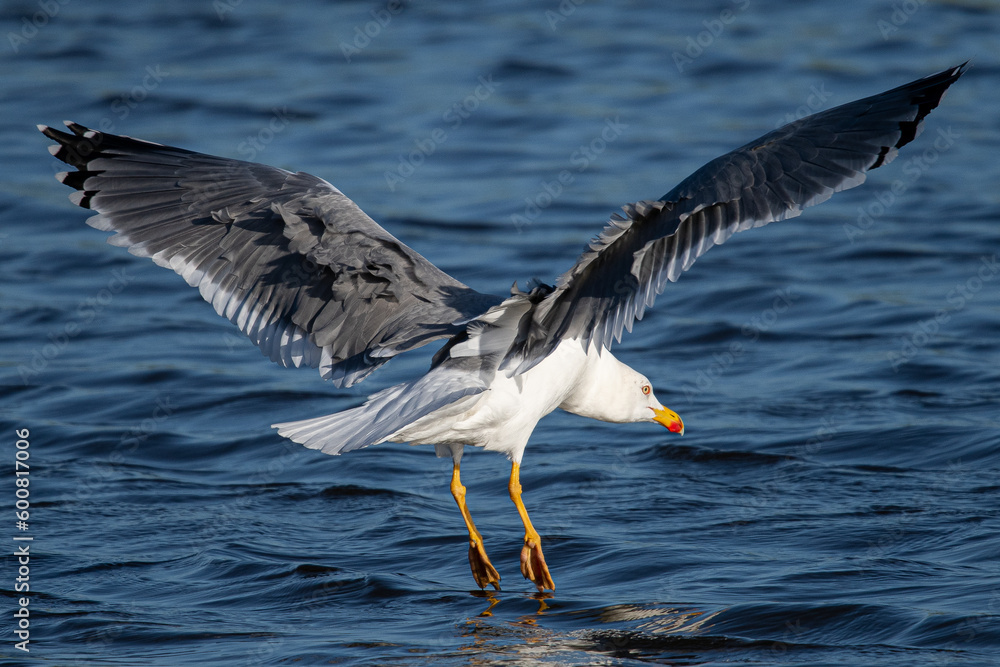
(313, 281)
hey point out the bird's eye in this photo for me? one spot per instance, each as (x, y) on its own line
(646, 389)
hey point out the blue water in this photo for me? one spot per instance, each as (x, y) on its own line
(835, 500)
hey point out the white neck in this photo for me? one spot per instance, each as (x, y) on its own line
(601, 391)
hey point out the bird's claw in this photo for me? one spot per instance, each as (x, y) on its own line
(482, 569)
(533, 565)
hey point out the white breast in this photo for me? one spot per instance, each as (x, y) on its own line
(503, 417)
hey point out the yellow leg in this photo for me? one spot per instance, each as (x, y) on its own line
(482, 569)
(533, 565)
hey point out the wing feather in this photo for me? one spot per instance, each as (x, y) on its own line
(289, 259)
(771, 178)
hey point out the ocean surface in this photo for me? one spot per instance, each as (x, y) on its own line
(835, 501)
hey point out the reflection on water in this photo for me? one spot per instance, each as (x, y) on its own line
(656, 619)
(637, 631)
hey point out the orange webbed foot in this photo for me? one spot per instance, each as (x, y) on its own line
(482, 569)
(533, 565)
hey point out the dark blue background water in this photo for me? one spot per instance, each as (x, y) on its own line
(836, 497)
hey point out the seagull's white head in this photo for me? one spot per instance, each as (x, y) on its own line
(613, 392)
(650, 409)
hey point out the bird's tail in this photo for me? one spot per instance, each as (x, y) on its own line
(331, 434)
(382, 415)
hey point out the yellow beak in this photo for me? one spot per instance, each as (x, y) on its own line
(668, 418)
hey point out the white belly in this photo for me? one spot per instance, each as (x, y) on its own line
(503, 417)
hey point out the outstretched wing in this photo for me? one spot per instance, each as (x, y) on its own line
(289, 259)
(771, 178)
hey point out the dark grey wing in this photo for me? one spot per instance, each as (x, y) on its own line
(289, 259)
(772, 178)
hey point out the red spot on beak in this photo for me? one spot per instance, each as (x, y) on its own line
(668, 418)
